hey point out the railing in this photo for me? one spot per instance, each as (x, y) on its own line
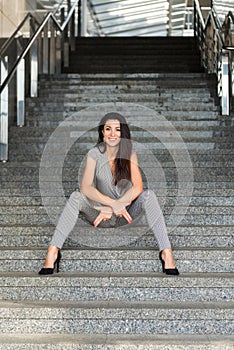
(216, 44)
(46, 51)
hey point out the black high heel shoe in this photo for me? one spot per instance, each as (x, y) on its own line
(173, 272)
(49, 270)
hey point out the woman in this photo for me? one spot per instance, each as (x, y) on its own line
(111, 194)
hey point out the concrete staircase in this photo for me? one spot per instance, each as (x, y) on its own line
(116, 297)
(134, 55)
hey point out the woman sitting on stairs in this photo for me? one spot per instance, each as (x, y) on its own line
(117, 197)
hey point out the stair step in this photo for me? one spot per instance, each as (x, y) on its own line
(193, 287)
(150, 101)
(71, 90)
(121, 260)
(205, 77)
(69, 99)
(16, 210)
(162, 132)
(210, 236)
(168, 138)
(117, 318)
(60, 116)
(33, 200)
(172, 146)
(69, 186)
(188, 219)
(106, 341)
(211, 173)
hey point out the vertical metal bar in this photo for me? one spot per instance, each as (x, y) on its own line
(52, 49)
(79, 19)
(34, 70)
(45, 50)
(69, 5)
(33, 61)
(65, 44)
(63, 35)
(40, 54)
(58, 53)
(66, 54)
(4, 113)
(83, 17)
(20, 93)
(225, 85)
(195, 19)
(72, 32)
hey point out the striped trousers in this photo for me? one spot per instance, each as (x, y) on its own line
(78, 203)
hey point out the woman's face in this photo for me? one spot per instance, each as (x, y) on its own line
(112, 133)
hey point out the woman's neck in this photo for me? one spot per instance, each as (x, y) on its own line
(111, 152)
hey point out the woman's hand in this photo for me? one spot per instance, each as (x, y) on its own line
(105, 214)
(119, 209)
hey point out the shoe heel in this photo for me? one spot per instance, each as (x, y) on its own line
(162, 262)
(58, 261)
(173, 272)
(50, 271)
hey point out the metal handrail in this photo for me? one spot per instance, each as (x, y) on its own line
(8, 42)
(34, 37)
(50, 64)
(216, 56)
(58, 7)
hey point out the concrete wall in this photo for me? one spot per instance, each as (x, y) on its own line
(12, 13)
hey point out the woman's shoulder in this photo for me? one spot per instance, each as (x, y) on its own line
(94, 153)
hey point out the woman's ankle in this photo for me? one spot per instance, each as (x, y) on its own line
(168, 258)
(51, 256)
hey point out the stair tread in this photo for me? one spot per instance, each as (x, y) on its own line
(112, 341)
(42, 304)
(137, 279)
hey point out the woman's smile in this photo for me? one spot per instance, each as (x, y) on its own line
(112, 132)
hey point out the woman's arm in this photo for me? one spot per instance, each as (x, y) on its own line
(88, 189)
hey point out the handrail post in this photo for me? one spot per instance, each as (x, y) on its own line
(194, 20)
(4, 113)
(33, 63)
(65, 43)
(45, 50)
(225, 102)
(34, 70)
(72, 33)
(79, 19)
(20, 93)
(52, 49)
(58, 53)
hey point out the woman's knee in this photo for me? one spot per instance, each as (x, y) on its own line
(149, 198)
(75, 196)
(147, 194)
(76, 199)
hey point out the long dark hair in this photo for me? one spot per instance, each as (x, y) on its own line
(122, 160)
